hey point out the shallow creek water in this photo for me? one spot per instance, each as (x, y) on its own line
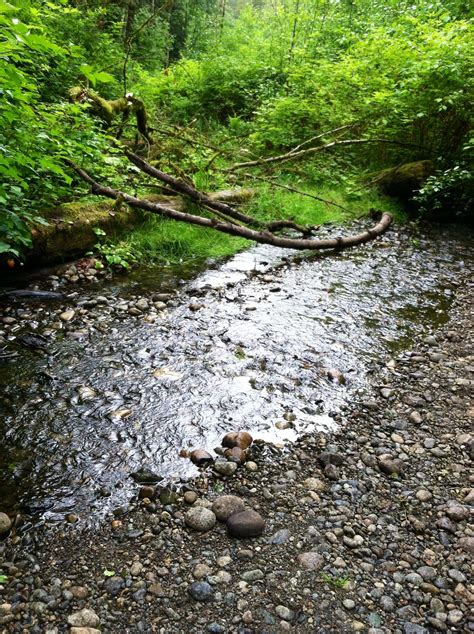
(253, 352)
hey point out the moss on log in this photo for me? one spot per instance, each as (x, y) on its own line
(403, 181)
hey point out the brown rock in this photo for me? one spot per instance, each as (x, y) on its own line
(336, 376)
(200, 457)
(226, 505)
(147, 492)
(241, 439)
(390, 466)
(246, 524)
(236, 454)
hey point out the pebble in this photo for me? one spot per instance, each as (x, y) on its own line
(200, 591)
(284, 613)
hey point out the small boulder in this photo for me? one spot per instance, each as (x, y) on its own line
(236, 454)
(201, 458)
(241, 439)
(5, 524)
(226, 505)
(246, 524)
(200, 519)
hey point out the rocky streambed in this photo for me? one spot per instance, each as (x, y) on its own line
(363, 360)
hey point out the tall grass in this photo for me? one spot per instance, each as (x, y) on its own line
(158, 239)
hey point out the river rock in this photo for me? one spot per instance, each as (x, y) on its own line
(5, 524)
(145, 476)
(336, 376)
(200, 591)
(224, 467)
(200, 457)
(67, 315)
(200, 519)
(390, 466)
(457, 512)
(146, 492)
(84, 618)
(314, 484)
(226, 505)
(311, 560)
(241, 439)
(246, 524)
(327, 457)
(467, 544)
(236, 454)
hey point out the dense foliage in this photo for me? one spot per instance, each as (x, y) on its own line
(266, 75)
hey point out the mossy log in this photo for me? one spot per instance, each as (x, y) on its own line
(70, 229)
(108, 109)
(405, 180)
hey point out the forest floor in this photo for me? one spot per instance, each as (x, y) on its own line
(380, 542)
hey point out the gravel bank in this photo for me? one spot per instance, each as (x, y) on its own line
(366, 530)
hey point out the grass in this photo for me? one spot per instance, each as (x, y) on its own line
(334, 581)
(166, 240)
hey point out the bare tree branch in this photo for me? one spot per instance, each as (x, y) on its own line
(292, 155)
(263, 237)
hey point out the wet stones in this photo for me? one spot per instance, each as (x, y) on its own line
(246, 524)
(145, 476)
(226, 505)
(201, 458)
(241, 439)
(336, 376)
(200, 519)
(5, 524)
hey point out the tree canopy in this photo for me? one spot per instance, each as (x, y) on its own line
(225, 83)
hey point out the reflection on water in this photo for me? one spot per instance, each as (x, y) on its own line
(255, 353)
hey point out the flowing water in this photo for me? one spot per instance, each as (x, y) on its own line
(244, 345)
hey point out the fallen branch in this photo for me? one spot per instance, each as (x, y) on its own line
(263, 237)
(292, 155)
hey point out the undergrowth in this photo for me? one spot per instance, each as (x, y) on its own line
(163, 240)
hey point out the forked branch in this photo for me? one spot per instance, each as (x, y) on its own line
(265, 235)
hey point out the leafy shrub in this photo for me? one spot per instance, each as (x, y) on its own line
(448, 195)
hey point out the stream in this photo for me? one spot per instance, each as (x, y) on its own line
(246, 344)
